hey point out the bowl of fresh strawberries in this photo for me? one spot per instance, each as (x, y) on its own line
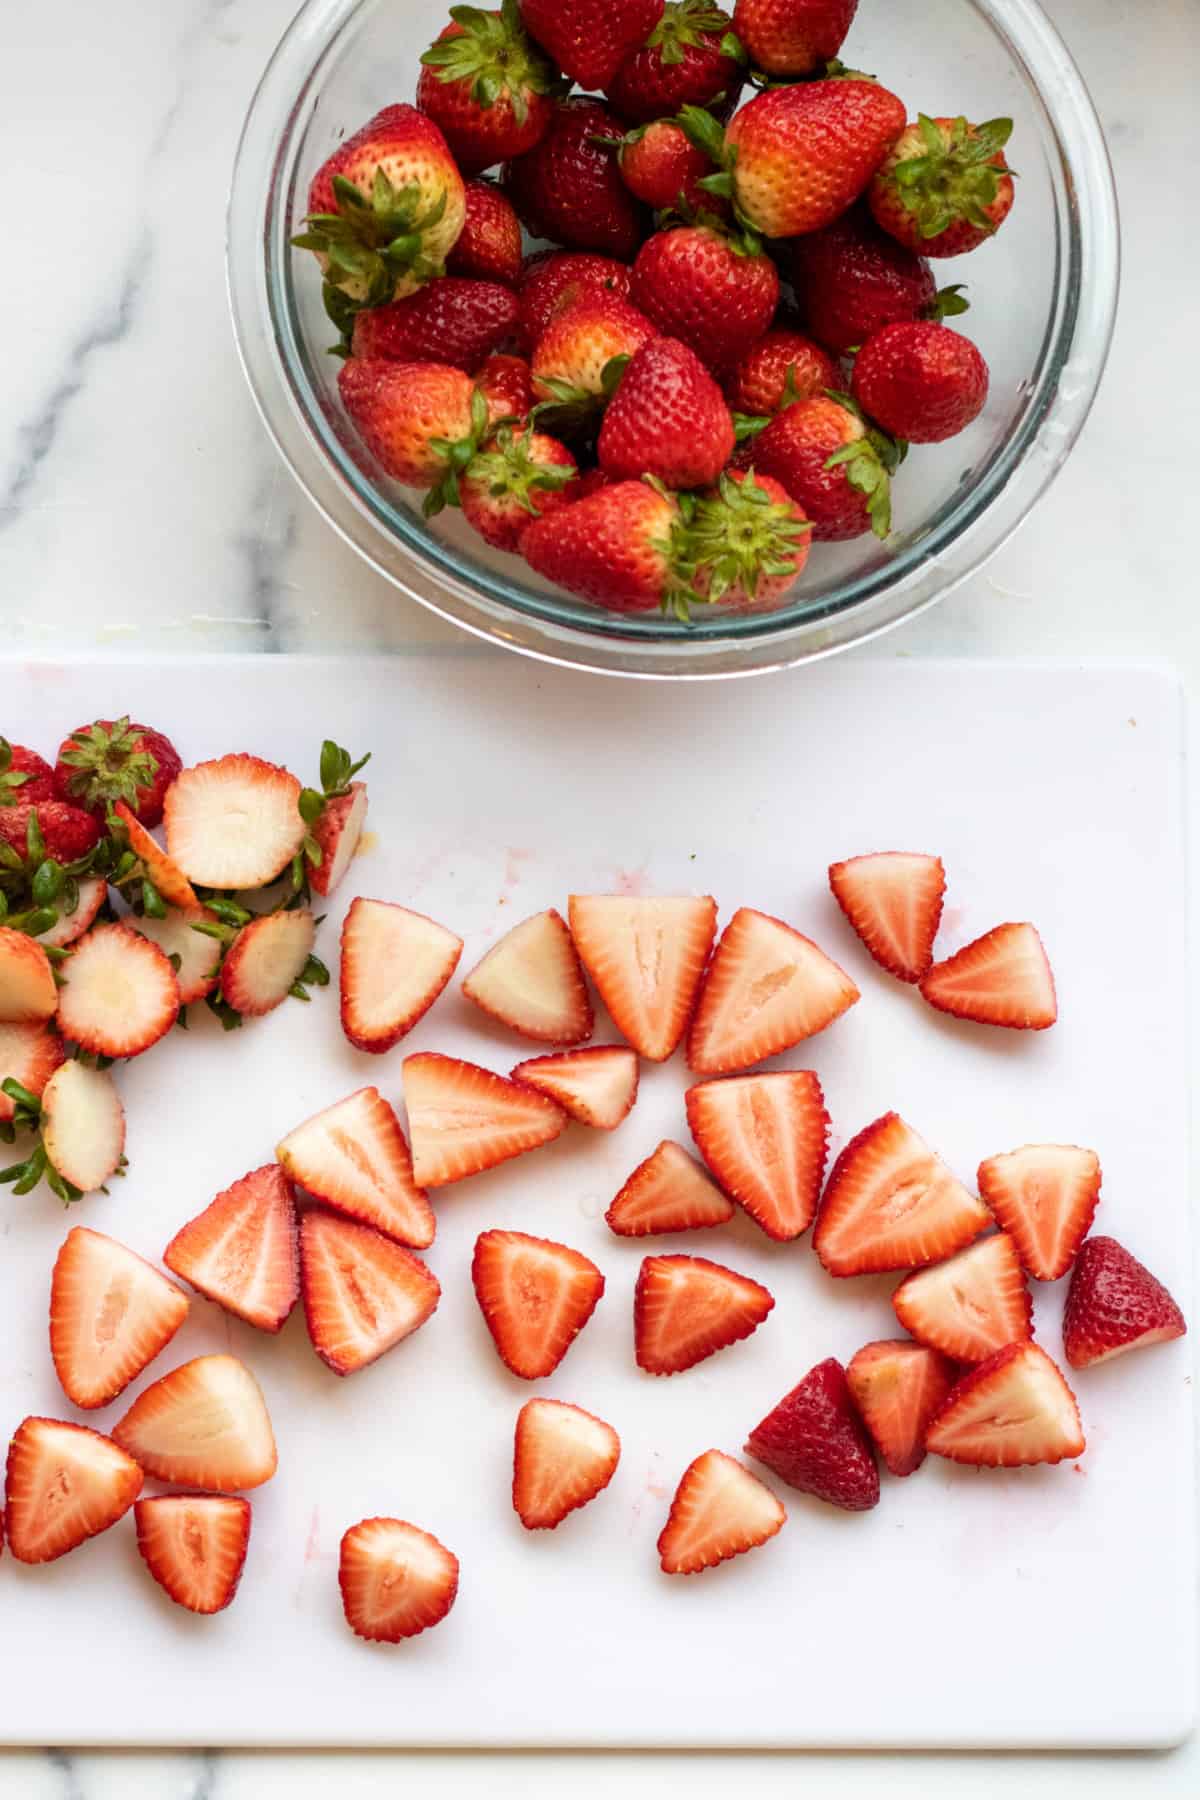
(662, 337)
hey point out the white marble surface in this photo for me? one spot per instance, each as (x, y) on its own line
(142, 507)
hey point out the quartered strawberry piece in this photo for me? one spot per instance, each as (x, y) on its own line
(28, 1054)
(121, 994)
(562, 1458)
(395, 964)
(532, 981)
(83, 1125)
(199, 955)
(28, 992)
(111, 1314)
(69, 927)
(814, 1441)
(234, 823)
(596, 1086)
(463, 1119)
(1003, 978)
(765, 1138)
(241, 1250)
(720, 1509)
(396, 1580)
(893, 899)
(767, 988)
(686, 1308)
(159, 869)
(64, 1484)
(897, 1388)
(337, 833)
(646, 957)
(266, 959)
(1009, 1411)
(195, 1546)
(355, 1158)
(204, 1425)
(1045, 1196)
(668, 1192)
(362, 1292)
(971, 1305)
(536, 1296)
(890, 1203)
(1115, 1304)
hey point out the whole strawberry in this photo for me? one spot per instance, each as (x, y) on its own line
(569, 188)
(832, 464)
(512, 481)
(506, 383)
(852, 279)
(793, 37)
(745, 543)
(613, 548)
(421, 421)
(25, 777)
(582, 351)
(782, 367)
(554, 279)
(450, 321)
(1114, 1304)
(920, 381)
(487, 86)
(489, 247)
(590, 39)
(668, 419)
(112, 760)
(691, 58)
(67, 833)
(714, 291)
(661, 166)
(945, 185)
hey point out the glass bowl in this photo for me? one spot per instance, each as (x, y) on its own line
(1043, 297)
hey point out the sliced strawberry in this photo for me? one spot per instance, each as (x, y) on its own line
(28, 1054)
(121, 994)
(1003, 978)
(686, 1308)
(64, 1484)
(536, 1296)
(893, 900)
(463, 1118)
(204, 1425)
(1115, 1304)
(767, 988)
(646, 956)
(765, 1138)
(396, 1580)
(355, 1158)
(814, 1440)
(362, 1292)
(1045, 1196)
(395, 963)
(1011, 1410)
(719, 1510)
(111, 1314)
(971, 1305)
(234, 823)
(241, 1250)
(265, 961)
(195, 957)
(70, 926)
(562, 1458)
(532, 981)
(195, 1546)
(28, 993)
(83, 1125)
(159, 869)
(668, 1192)
(337, 834)
(890, 1203)
(897, 1388)
(596, 1086)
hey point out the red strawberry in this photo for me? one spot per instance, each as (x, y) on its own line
(489, 248)
(395, 964)
(696, 283)
(852, 279)
(897, 1388)
(890, 1203)
(814, 1441)
(363, 1294)
(451, 321)
(1010, 1411)
(195, 1546)
(782, 367)
(793, 37)
(337, 832)
(590, 39)
(554, 280)
(569, 188)
(596, 1086)
(971, 1305)
(485, 83)
(514, 479)
(28, 991)
(113, 760)
(893, 899)
(535, 1296)
(745, 543)
(686, 1308)
(661, 166)
(506, 383)
(646, 956)
(920, 381)
(25, 777)
(267, 960)
(720, 1509)
(765, 1138)
(835, 466)
(689, 59)
(613, 548)
(667, 419)
(241, 1250)
(203, 1425)
(121, 994)
(199, 956)
(65, 1483)
(83, 1125)
(533, 982)
(418, 420)
(110, 1316)
(944, 186)
(235, 822)
(355, 1158)
(1114, 1304)
(571, 364)
(592, 481)
(667, 1192)
(562, 1458)
(156, 867)
(1045, 1197)
(767, 988)
(464, 1119)
(396, 1580)
(1002, 978)
(67, 832)
(29, 1054)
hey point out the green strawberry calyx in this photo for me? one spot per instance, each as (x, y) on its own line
(507, 470)
(108, 763)
(457, 455)
(25, 1175)
(495, 55)
(955, 177)
(870, 460)
(692, 25)
(11, 780)
(736, 537)
(371, 242)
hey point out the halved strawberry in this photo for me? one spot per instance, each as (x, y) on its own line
(265, 961)
(814, 1440)
(28, 993)
(719, 1510)
(686, 1308)
(362, 1292)
(1003, 978)
(646, 956)
(159, 869)
(337, 834)
(1045, 1196)
(1115, 1304)
(28, 1054)
(768, 987)
(204, 1425)
(195, 1546)
(83, 1125)
(70, 926)
(596, 1086)
(897, 1388)
(241, 1250)
(395, 963)
(893, 900)
(668, 1192)
(121, 994)
(890, 1203)
(355, 1158)
(971, 1305)
(462, 1118)
(532, 981)
(235, 822)
(536, 1296)
(396, 1580)
(765, 1138)
(199, 956)
(64, 1484)
(111, 1314)
(1009, 1411)
(562, 1458)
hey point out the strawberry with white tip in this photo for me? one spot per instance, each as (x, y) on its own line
(686, 1308)
(28, 993)
(111, 1314)
(1002, 978)
(596, 1086)
(336, 815)
(29, 1055)
(898, 1387)
(1008, 1412)
(195, 1546)
(463, 1119)
(234, 823)
(767, 988)
(395, 964)
(363, 1293)
(268, 960)
(562, 1458)
(646, 956)
(890, 1203)
(204, 1425)
(81, 1132)
(120, 994)
(533, 982)
(536, 1296)
(893, 900)
(185, 939)
(971, 1305)
(241, 1250)
(765, 1138)
(668, 1192)
(63, 1484)
(720, 1510)
(1045, 1197)
(354, 1157)
(69, 927)
(396, 1580)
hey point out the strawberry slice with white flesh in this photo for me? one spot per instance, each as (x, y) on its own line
(204, 1425)
(111, 1314)
(355, 1158)
(971, 1305)
(766, 1139)
(686, 1308)
(241, 1250)
(668, 1192)
(159, 869)
(533, 982)
(195, 957)
(28, 991)
(720, 1510)
(396, 1580)
(337, 834)
(195, 1546)
(646, 957)
(69, 927)
(562, 1458)
(64, 1484)
(1010, 1411)
(265, 961)
(597, 1086)
(767, 988)
(120, 993)
(890, 1203)
(1045, 1196)
(362, 1292)
(395, 964)
(463, 1119)
(893, 900)
(1003, 978)
(29, 1054)
(234, 823)
(898, 1387)
(536, 1296)
(83, 1125)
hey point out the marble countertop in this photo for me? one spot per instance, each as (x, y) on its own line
(142, 507)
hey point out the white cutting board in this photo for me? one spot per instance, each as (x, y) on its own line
(1039, 1607)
